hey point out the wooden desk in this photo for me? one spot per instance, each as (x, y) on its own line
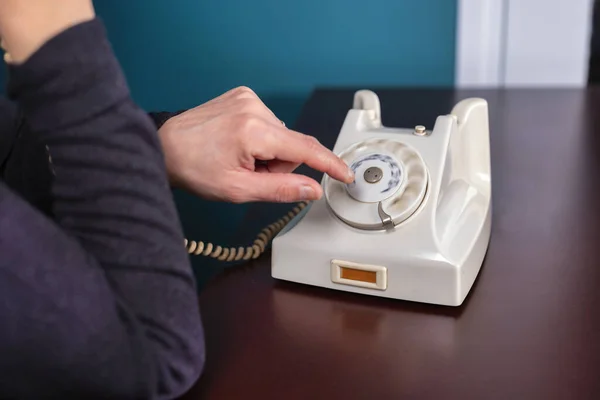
(530, 329)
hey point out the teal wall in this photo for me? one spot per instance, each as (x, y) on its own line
(180, 53)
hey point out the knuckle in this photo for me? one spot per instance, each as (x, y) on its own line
(313, 145)
(312, 142)
(246, 122)
(284, 194)
(235, 193)
(249, 106)
(247, 128)
(244, 92)
(236, 199)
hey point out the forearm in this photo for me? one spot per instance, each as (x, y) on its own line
(11, 128)
(65, 332)
(111, 193)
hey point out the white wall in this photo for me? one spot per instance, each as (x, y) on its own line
(480, 42)
(523, 43)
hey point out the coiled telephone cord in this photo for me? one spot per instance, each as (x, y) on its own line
(253, 251)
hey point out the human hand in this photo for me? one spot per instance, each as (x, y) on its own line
(234, 149)
(25, 25)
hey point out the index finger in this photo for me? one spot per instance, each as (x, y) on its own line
(277, 142)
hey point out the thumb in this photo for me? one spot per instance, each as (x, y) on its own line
(281, 187)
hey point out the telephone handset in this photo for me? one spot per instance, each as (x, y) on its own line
(416, 223)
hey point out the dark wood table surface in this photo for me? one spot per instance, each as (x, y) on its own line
(530, 328)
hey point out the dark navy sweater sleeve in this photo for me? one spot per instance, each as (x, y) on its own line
(160, 117)
(99, 302)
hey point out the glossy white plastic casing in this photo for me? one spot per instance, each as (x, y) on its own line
(431, 255)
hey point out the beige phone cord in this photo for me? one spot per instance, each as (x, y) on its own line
(248, 252)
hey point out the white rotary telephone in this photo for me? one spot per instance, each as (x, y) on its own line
(415, 225)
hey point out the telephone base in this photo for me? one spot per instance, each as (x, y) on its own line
(313, 257)
(416, 228)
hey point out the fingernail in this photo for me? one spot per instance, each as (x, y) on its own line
(307, 193)
(351, 175)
